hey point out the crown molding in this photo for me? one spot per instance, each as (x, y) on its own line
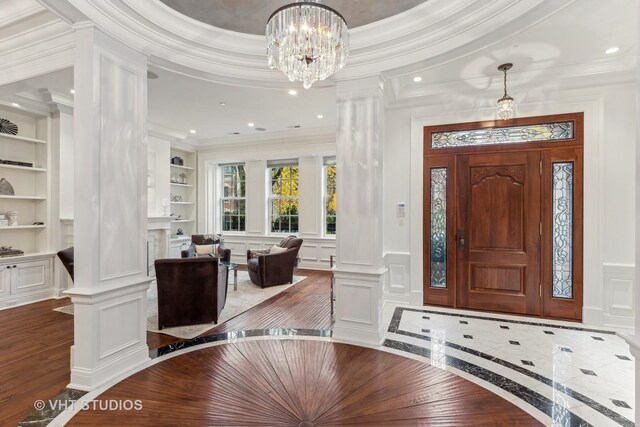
(295, 136)
(428, 31)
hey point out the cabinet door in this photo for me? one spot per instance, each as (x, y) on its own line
(5, 280)
(30, 277)
(174, 250)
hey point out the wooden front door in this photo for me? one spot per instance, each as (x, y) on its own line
(503, 220)
(498, 232)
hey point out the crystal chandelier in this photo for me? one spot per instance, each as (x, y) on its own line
(307, 41)
(506, 103)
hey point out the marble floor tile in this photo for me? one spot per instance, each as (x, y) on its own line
(560, 372)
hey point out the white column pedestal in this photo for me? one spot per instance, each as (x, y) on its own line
(110, 333)
(358, 308)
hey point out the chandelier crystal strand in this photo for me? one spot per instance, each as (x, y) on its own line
(307, 41)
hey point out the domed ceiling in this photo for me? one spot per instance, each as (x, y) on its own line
(250, 16)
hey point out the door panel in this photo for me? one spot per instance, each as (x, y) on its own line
(30, 277)
(498, 223)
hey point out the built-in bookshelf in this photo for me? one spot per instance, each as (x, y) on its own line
(29, 180)
(25, 163)
(183, 192)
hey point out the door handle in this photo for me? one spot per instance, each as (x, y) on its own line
(461, 239)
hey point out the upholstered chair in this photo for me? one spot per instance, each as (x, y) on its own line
(268, 268)
(66, 257)
(190, 290)
(201, 239)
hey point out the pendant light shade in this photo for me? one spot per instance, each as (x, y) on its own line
(506, 104)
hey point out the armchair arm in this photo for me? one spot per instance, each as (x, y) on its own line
(278, 268)
(254, 253)
(190, 252)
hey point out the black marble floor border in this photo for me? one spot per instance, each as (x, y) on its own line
(394, 327)
(52, 408)
(58, 404)
(521, 322)
(557, 413)
(249, 333)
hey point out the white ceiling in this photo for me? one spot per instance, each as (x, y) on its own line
(561, 49)
(184, 103)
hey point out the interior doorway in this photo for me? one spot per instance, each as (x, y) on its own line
(503, 216)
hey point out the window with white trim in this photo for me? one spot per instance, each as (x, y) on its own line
(284, 206)
(233, 213)
(330, 201)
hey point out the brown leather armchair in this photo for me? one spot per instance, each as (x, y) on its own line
(199, 239)
(270, 269)
(66, 257)
(190, 290)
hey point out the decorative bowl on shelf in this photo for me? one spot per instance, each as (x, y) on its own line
(8, 127)
(6, 189)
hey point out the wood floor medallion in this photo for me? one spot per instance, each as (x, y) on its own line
(283, 382)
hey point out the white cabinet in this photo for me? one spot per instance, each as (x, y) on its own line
(25, 280)
(29, 277)
(177, 246)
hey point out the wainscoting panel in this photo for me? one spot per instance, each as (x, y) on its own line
(397, 285)
(314, 253)
(618, 295)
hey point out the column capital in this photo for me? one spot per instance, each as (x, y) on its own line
(372, 86)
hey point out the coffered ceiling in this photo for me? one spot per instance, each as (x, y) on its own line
(250, 16)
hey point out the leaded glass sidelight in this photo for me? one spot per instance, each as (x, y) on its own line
(438, 233)
(562, 230)
(561, 131)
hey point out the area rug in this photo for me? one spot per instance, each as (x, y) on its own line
(247, 296)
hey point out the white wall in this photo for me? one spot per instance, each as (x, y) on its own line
(66, 163)
(309, 147)
(159, 166)
(609, 206)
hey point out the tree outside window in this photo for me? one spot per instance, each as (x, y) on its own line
(330, 200)
(284, 199)
(233, 198)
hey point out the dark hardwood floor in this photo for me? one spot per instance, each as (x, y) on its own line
(35, 346)
(278, 382)
(289, 382)
(35, 341)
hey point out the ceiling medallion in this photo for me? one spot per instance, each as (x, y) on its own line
(505, 104)
(307, 41)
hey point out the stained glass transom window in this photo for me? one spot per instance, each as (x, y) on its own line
(438, 239)
(505, 135)
(562, 230)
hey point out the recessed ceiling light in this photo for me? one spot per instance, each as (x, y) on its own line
(235, 133)
(611, 50)
(260, 129)
(72, 91)
(192, 131)
(223, 103)
(320, 116)
(251, 124)
(15, 104)
(417, 79)
(293, 92)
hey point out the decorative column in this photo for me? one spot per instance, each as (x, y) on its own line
(359, 271)
(634, 340)
(110, 209)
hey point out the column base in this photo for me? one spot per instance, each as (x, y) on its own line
(110, 333)
(358, 306)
